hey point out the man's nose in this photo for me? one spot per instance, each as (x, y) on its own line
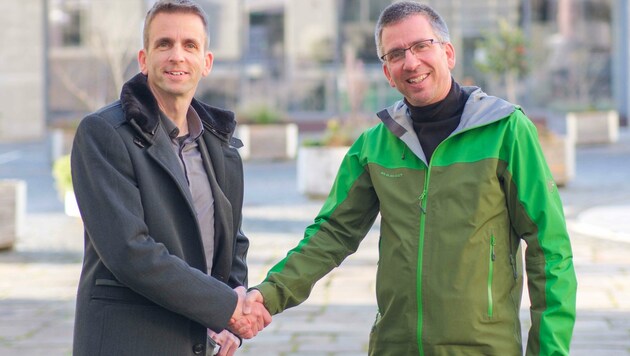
(177, 54)
(411, 60)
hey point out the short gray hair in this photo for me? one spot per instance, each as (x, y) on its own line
(399, 11)
(171, 7)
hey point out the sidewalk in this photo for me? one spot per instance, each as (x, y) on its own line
(38, 279)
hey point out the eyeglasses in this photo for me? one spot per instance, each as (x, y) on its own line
(416, 49)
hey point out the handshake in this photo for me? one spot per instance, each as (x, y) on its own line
(250, 315)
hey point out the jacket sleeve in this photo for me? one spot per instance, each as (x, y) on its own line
(238, 276)
(342, 223)
(106, 186)
(537, 217)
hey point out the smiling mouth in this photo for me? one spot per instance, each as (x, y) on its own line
(419, 79)
(176, 73)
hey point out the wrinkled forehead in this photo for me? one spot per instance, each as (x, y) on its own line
(176, 20)
(406, 31)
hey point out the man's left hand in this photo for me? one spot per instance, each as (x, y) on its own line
(227, 342)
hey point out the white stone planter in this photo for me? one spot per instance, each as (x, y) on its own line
(559, 151)
(70, 206)
(317, 168)
(12, 211)
(593, 127)
(61, 142)
(270, 141)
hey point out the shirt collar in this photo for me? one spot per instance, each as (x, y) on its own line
(195, 127)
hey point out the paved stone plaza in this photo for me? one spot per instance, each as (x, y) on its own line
(38, 278)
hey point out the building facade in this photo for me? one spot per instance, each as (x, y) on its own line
(22, 70)
(313, 59)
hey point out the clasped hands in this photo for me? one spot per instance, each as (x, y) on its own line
(250, 315)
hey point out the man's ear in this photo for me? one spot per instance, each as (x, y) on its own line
(450, 55)
(142, 61)
(388, 75)
(209, 59)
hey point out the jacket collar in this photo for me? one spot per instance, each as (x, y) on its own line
(480, 109)
(141, 108)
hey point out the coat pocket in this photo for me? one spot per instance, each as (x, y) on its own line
(491, 259)
(116, 292)
(130, 330)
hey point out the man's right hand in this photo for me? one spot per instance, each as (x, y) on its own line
(250, 315)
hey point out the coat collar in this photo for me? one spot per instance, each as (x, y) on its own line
(140, 107)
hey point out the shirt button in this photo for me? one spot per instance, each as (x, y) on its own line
(198, 349)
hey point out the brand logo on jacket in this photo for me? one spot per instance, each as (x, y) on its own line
(391, 175)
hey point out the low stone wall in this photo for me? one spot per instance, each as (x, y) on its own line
(593, 127)
(12, 211)
(268, 142)
(559, 152)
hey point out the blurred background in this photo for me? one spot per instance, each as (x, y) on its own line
(310, 60)
(310, 65)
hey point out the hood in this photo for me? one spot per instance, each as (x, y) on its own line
(480, 109)
(140, 107)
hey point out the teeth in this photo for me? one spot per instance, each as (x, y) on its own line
(418, 79)
(176, 73)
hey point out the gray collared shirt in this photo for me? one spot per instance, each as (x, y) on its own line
(187, 149)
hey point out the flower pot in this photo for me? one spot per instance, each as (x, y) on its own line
(559, 152)
(268, 141)
(12, 211)
(70, 206)
(317, 168)
(593, 127)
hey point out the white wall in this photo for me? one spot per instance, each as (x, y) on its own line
(22, 114)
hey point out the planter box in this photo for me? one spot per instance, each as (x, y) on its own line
(317, 168)
(593, 127)
(61, 141)
(270, 142)
(559, 152)
(70, 206)
(12, 211)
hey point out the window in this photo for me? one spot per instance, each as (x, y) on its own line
(66, 18)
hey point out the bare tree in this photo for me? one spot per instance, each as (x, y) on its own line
(96, 71)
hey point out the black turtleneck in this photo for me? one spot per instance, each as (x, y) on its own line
(433, 123)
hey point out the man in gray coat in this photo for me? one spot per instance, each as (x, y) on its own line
(159, 184)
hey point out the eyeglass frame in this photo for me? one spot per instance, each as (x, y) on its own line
(430, 41)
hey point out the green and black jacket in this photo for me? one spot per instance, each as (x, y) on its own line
(449, 278)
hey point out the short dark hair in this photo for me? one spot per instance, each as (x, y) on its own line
(170, 7)
(399, 11)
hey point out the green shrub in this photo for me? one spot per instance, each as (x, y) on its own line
(62, 175)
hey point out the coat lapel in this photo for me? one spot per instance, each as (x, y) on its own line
(162, 152)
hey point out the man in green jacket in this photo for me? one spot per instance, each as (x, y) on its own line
(459, 180)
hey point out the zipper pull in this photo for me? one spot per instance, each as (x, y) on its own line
(512, 262)
(492, 243)
(420, 199)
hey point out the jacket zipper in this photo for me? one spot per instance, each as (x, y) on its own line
(423, 207)
(490, 275)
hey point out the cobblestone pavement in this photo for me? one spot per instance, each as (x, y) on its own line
(38, 278)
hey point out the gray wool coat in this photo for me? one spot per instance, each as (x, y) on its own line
(143, 289)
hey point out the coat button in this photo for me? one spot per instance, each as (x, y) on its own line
(198, 349)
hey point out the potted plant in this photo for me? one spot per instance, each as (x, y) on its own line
(266, 134)
(559, 152)
(63, 182)
(318, 159)
(503, 54)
